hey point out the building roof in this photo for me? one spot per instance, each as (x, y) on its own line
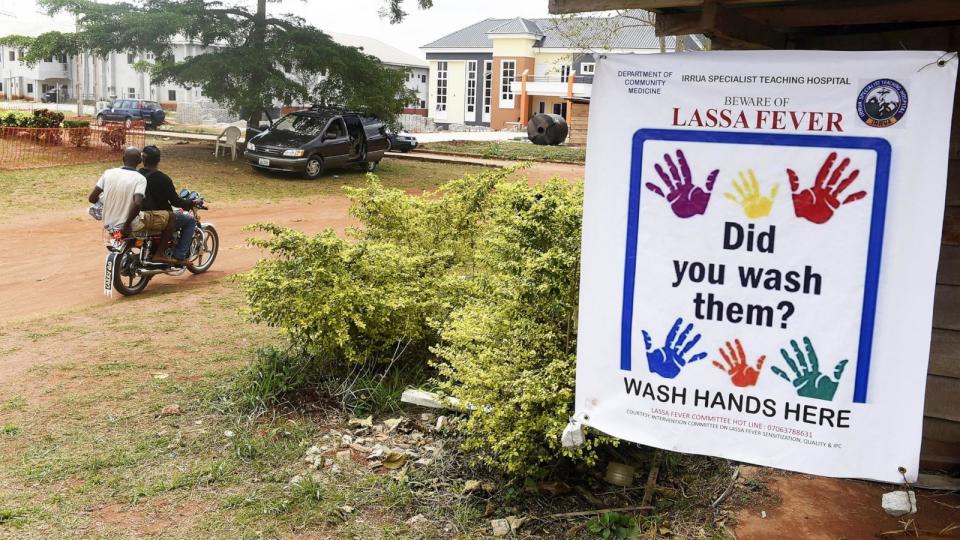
(557, 33)
(518, 25)
(387, 54)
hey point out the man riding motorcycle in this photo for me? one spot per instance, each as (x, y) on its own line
(121, 190)
(161, 195)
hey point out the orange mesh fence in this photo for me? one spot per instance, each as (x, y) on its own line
(27, 148)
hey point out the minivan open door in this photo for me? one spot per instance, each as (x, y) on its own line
(263, 122)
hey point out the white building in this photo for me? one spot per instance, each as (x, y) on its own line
(115, 76)
(17, 80)
(417, 75)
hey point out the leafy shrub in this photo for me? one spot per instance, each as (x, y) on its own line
(78, 132)
(13, 119)
(614, 525)
(114, 136)
(45, 118)
(510, 350)
(479, 279)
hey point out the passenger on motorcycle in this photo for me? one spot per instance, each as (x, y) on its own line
(121, 190)
(161, 195)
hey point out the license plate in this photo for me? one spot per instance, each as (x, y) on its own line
(264, 161)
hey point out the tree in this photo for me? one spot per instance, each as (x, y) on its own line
(253, 58)
(597, 34)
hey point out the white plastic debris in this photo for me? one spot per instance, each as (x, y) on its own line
(899, 503)
(573, 435)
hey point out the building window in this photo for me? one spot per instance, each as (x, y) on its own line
(423, 104)
(564, 72)
(587, 68)
(131, 58)
(508, 72)
(1, 87)
(441, 86)
(29, 88)
(131, 93)
(560, 108)
(487, 85)
(13, 56)
(543, 107)
(423, 78)
(472, 86)
(171, 95)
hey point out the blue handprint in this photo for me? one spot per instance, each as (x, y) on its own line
(668, 360)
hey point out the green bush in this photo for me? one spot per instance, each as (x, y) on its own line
(510, 350)
(45, 118)
(78, 132)
(479, 280)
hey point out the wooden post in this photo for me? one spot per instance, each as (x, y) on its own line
(570, 80)
(523, 98)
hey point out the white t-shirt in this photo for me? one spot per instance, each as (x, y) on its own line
(119, 186)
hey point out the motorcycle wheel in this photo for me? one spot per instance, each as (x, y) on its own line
(206, 244)
(127, 279)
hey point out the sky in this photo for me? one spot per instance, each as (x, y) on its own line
(420, 27)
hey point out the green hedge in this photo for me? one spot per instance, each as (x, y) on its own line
(479, 280)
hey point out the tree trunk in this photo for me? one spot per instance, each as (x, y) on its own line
(257, 40)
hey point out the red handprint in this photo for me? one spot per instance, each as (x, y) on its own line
(741, 373)
(817, 203)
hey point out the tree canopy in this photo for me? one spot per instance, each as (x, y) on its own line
(253, 58)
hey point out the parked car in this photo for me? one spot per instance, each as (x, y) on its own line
(314, 141)
(129, 111)
(401, 142)
(53, 96)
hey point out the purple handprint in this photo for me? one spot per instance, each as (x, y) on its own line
(685, 198)
(669, 359)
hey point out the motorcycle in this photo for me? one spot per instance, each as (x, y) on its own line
(128, 267)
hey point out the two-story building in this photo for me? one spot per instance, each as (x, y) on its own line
(491, 72)
(116, 75)
(20, 81)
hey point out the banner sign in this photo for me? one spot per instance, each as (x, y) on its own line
(760, 242)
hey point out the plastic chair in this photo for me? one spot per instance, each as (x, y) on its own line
(230, 137)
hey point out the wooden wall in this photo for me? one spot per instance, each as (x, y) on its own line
(941, 421)
(578, 122)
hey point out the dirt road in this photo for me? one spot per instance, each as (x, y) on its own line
(53, 262)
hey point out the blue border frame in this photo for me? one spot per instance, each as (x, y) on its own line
(874, 249)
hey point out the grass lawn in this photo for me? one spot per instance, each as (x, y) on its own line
(514, 150)
(124, 420)
(219, 180)
(90, 454)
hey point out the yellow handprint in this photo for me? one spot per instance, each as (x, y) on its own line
(754, 204)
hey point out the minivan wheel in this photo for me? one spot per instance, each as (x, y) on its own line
(314, 168)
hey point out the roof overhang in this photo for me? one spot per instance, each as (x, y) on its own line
(459, 50)
(753, 24)
(520, 35)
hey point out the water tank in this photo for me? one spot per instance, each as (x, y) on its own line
(547, 129)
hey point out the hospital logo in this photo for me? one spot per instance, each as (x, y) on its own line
(882, 103)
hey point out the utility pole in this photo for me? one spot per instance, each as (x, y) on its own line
(80, 73)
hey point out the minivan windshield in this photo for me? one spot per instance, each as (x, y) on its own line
(302, 124)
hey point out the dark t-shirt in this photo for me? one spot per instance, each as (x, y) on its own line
(161, 195)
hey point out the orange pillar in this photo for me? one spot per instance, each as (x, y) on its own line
(523, 98)
(570, 81)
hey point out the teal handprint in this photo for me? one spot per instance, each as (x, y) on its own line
(807, 379)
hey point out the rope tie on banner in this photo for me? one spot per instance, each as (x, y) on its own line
(942, 61)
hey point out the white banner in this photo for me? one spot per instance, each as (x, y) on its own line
(760, 242)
